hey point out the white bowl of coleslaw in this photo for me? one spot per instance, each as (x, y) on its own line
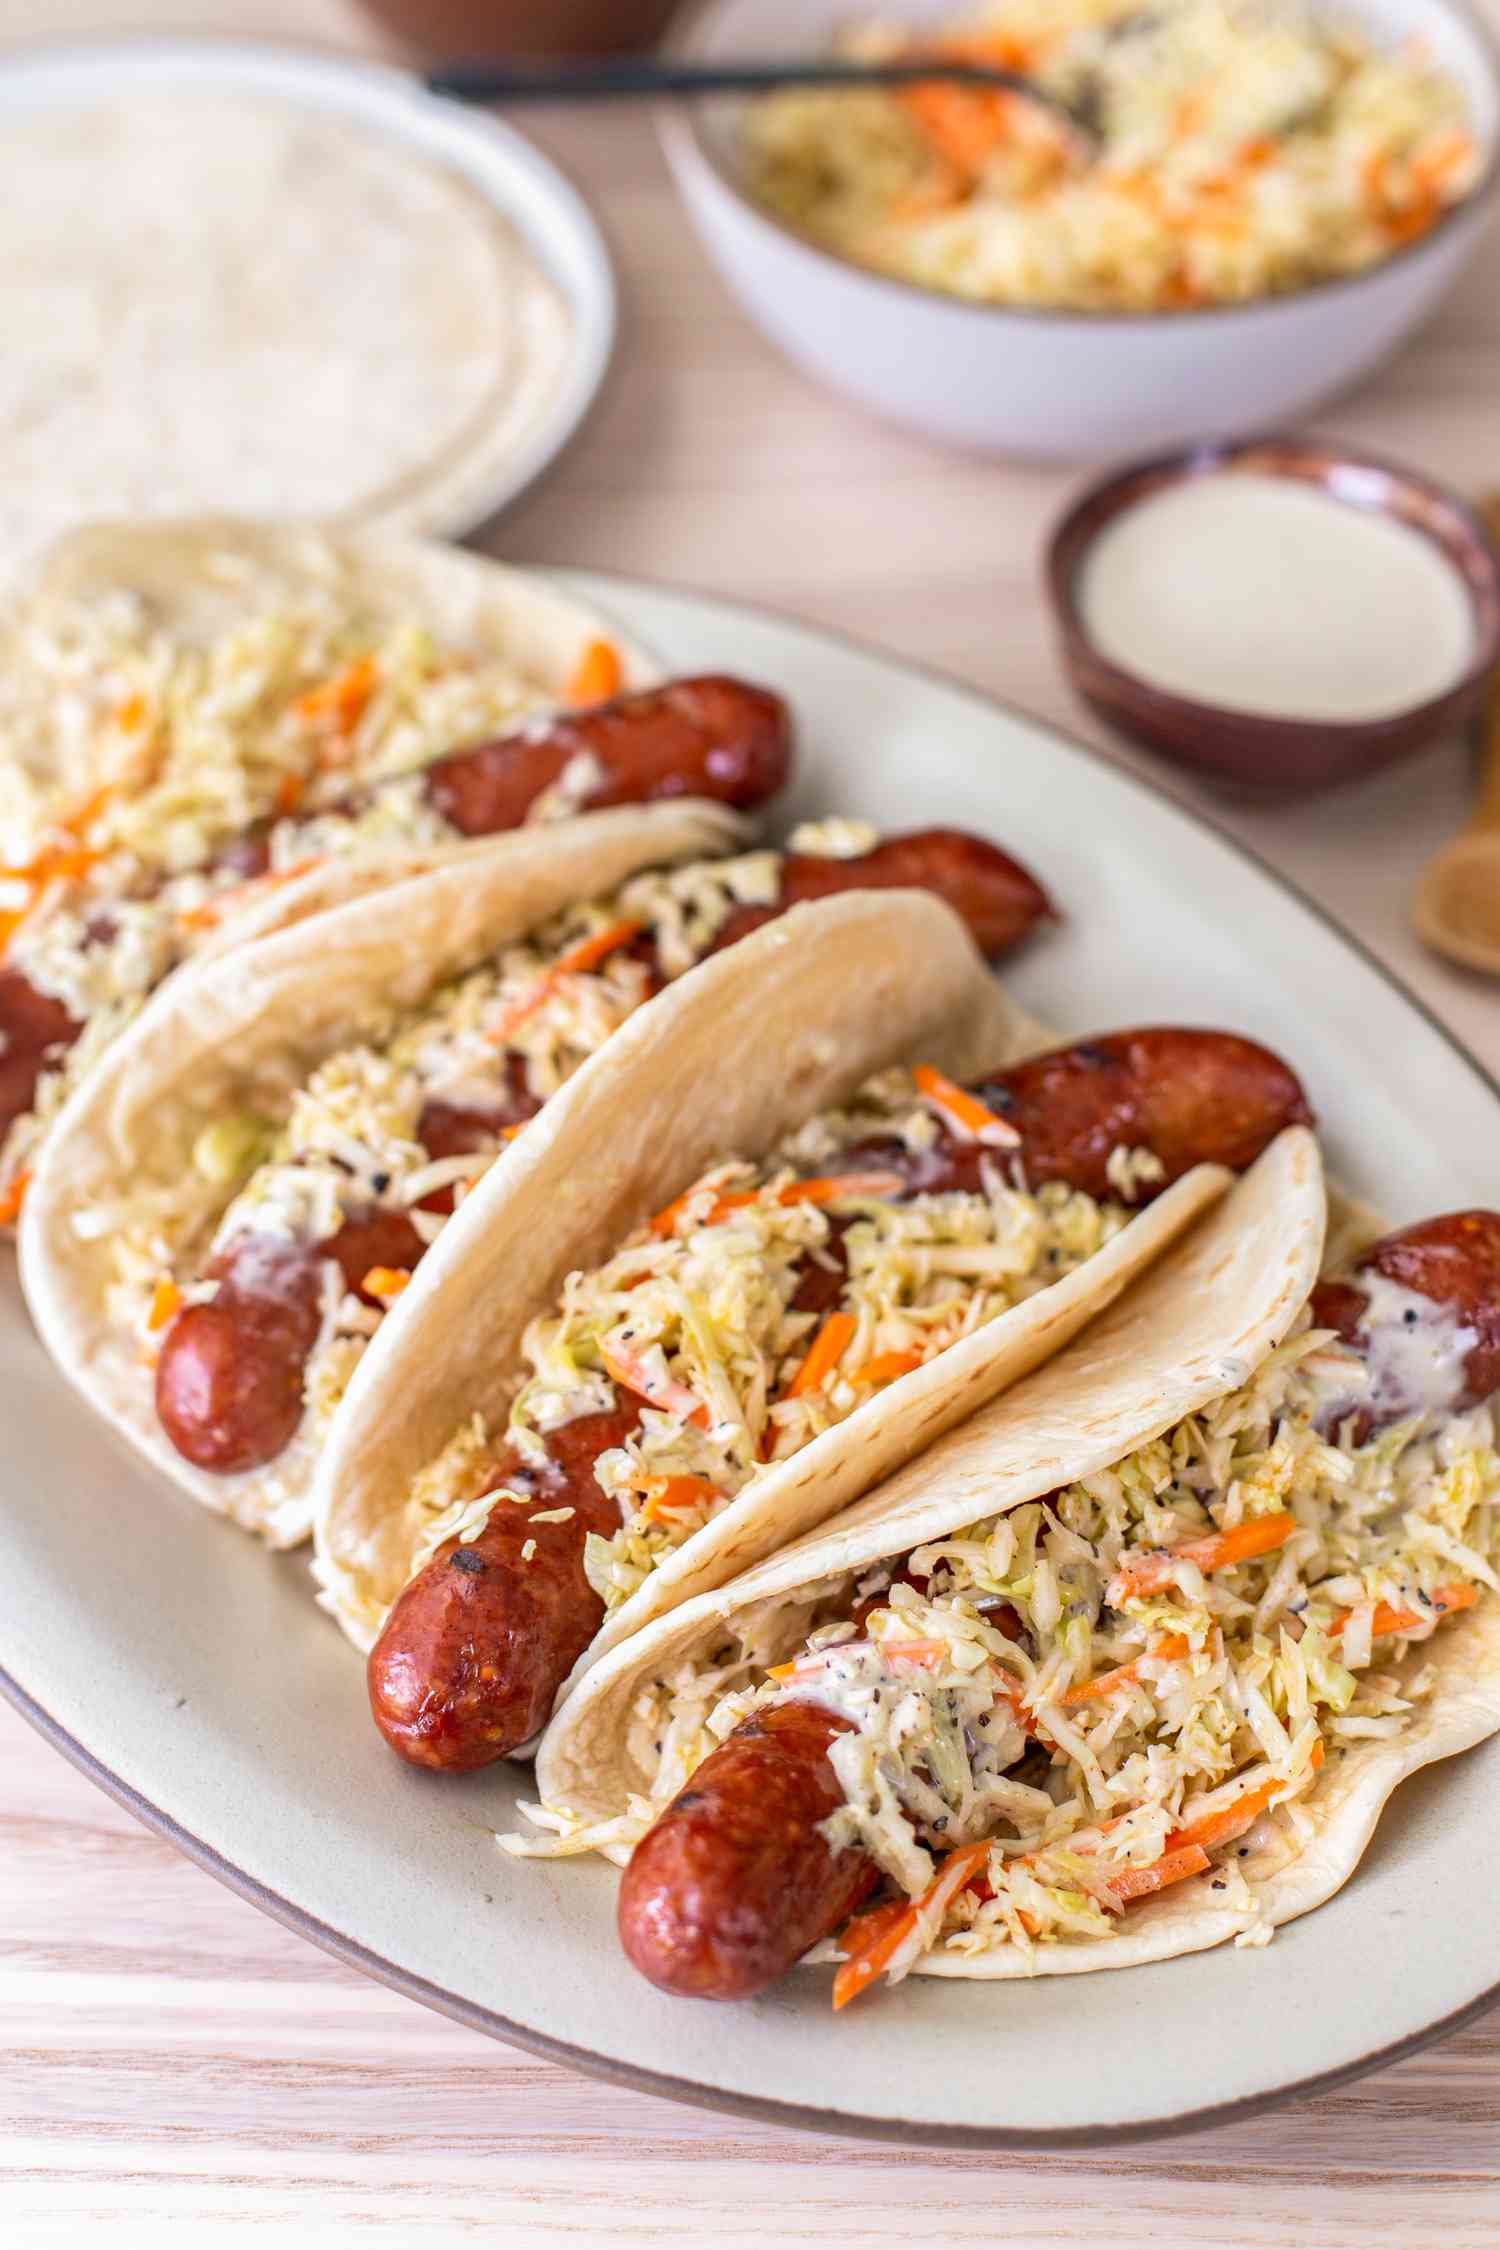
(1031, 333)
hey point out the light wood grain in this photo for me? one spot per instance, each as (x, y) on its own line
(170, 2061)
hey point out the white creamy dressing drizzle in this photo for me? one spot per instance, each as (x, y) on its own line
(1259, 593)
(939, 1755)
(1412, 1356)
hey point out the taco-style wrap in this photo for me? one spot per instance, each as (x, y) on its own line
(228, 1208)
(1126, 1667)
(786, 1272)
(215, 729)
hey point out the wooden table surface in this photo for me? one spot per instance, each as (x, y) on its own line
(172, 2060)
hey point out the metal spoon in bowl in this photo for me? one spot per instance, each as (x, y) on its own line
(633, 77)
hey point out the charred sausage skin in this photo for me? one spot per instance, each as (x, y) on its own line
(1189, 1097)
(478, 1643)
(735, 1882)
(711, 737)
(998, 898)
(229, 1374)
(35, 1031)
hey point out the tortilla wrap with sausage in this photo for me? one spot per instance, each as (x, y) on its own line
(808, 1010)
(215, 729)
(1209, 1314)
(1387, 1455)
(235, 1036)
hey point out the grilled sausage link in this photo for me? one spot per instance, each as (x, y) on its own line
(998, 898)
(230, 1372)
(709, 737)
(735, 1882)
(479, 1642)
(1454, 1262)
(35, 1030)
(476, 1646)
(1189, 1097)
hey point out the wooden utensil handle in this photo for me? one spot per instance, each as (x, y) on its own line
(1486, 813)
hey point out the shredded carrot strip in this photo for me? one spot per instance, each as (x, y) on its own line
(962, 1110)
(586, 955)
(52, 867)
(338, 703)
(224, 904)
(1232, 1820)
(965, 124)
(679, 1492)
(1447, 154)
(12, 1197)
(1219, 1550)
(1386, 1620)
(165, 1299)
(809, 1661)
(598, 674)
(1175, 1645)
(1008, 1690)
(1174, 1866)
(385, 1282)
(672, 1397)
(1406, 226)
(941, 193)
(798, 1191)
(827, 1349)
(866, 1927)
(929, 1654)
(130, 715)
(872, 1939)
(885, 1367)
(1004, 50)
(82, 818)
(290, 791)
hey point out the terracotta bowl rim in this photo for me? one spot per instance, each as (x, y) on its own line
(1464, 540)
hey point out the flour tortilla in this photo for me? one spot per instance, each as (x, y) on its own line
(200, 577)
(1197, 1325)
(264, 1016)
(344, 329)
(807, 1008)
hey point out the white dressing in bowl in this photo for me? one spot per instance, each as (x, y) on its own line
(1261, 593)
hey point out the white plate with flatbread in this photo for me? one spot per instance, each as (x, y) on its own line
(258, 281)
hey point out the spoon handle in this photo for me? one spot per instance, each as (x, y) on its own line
(631, 77)
(628, 77)
(1486, 812)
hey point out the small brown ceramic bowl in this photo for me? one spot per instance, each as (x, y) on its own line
(1245, 750)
